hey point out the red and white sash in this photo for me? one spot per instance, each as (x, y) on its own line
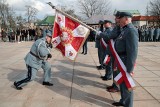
(103, 43)
(106, 60)
(123, 75)
(107, 57)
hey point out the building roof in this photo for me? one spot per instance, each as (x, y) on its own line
(145, 18)
(95, 19)
(49, 20)
(133, 12)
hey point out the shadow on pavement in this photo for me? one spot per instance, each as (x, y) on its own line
(65, 90)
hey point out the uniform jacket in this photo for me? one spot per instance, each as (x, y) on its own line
(39, 48)
(97, 45)
(127, 43)
(103, 35)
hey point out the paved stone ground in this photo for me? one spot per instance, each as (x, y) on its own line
(76, 84)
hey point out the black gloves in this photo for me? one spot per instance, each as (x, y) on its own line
(49, 45)
(49, 56)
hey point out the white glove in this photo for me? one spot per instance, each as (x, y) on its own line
(98, 32)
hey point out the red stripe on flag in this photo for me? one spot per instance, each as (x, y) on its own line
(56, 30)
(61, 48)
(78, 41)
(70, 23)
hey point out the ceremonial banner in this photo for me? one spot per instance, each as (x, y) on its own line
(68, 36)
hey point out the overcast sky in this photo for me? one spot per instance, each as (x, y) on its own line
(44, 9)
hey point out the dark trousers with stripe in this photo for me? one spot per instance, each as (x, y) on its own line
(30, 76)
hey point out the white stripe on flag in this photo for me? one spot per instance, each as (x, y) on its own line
(56, 41)
(80, 31)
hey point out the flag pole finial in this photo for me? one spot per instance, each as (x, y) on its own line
(49, 3)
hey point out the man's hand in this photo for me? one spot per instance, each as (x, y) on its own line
(49, 56)
(98, 32)
(131, 74)
(50, 45)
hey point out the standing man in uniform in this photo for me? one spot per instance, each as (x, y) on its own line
(126, 45)
(151, 33)
(108, 67)
(157, 33)
(98, 45)
(147, 34)
(114, 34)
(36, 59)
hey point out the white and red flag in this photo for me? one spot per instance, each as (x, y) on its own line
(68, 36)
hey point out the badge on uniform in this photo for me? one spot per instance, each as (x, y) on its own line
(120, 37)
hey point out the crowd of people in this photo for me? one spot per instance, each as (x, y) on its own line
(149, 33)
(24, 34)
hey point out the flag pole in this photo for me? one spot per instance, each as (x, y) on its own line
(69, 16)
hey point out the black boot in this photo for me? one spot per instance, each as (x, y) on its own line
(47, 83)
(18, 88)
(117, 104)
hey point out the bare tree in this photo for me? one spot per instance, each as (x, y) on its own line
(11, 18)
(94, 7)
(31, 13)
(3, 13)
(154, 10)
(20, 21)
(7, 15)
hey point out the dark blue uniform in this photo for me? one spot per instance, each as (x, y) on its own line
(126, 46)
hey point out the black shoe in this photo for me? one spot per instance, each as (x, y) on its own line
(85, 53)
(102, 77)
(47, 83)
(117, 104)
(100, 68)
(106, 79)
(109, 87)
(18, 88)
(112, 90)
(82, 53)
